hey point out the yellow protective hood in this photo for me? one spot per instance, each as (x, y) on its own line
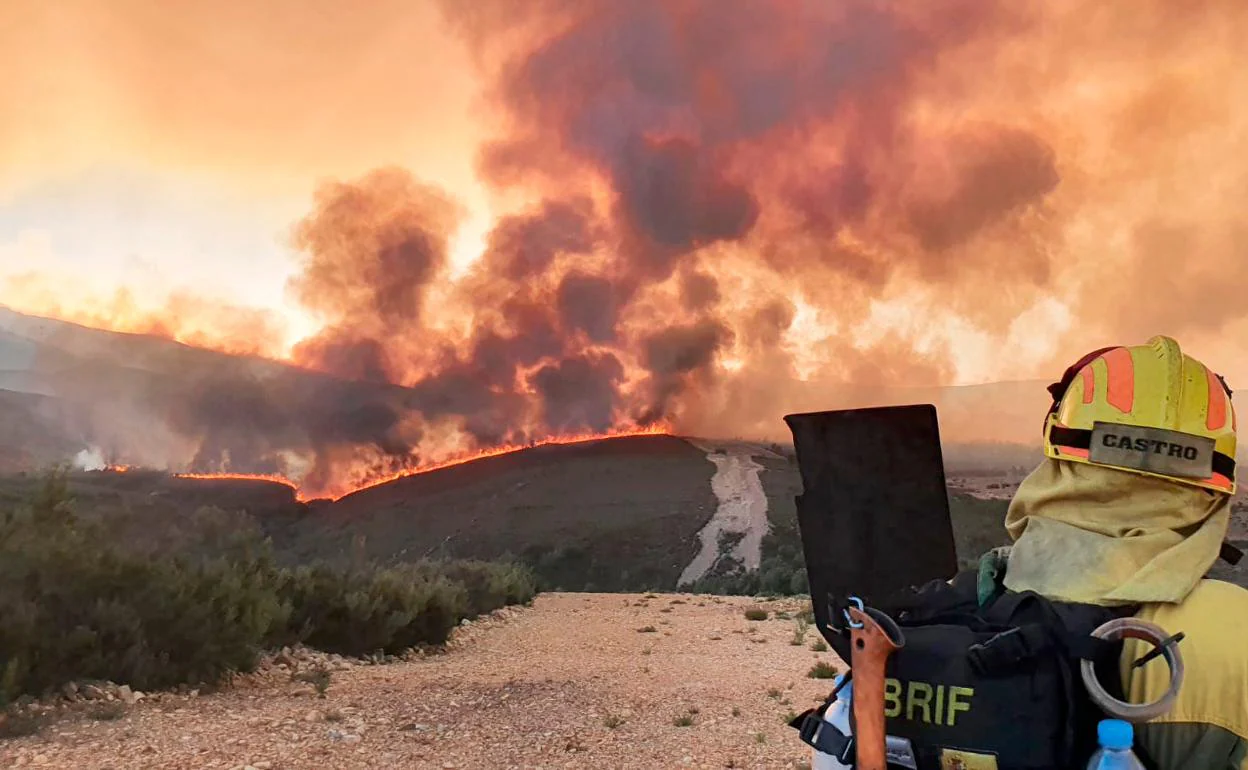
(1086, 533)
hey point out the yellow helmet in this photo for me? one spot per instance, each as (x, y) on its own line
(1147, 409)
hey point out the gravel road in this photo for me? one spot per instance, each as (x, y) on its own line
(574, 681)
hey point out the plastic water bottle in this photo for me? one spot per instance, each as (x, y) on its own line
(1116, 738)
(836, 715)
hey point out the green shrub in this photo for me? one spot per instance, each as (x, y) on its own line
(489, 585)
(362, 611)
(79, 602)
(77, 606)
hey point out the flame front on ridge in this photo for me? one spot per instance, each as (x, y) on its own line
(338, 493)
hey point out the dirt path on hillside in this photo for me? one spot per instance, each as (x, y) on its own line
(569, 682)
(742, 510)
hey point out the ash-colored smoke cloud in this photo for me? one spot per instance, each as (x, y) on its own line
(740, 209)
(971, 161)
(674, 149)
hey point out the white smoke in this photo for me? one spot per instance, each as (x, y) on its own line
(90, 459)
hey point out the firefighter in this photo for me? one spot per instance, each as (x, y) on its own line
(1130, 508)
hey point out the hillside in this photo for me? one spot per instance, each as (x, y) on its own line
(634, 513)
(148, 401)
(623, 514)
(144, 400)
(33, 433)
(595, 516)
(631, 513)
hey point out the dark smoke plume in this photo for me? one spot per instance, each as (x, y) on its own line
(733, 208)
(716, 130)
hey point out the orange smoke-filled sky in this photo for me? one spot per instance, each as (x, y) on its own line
(166, 150)
(171, 146)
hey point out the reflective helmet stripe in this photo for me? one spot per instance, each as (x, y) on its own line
(1217, 403)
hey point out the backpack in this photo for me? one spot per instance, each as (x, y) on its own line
(985, 681)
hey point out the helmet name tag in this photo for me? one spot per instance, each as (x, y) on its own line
(1153, 450)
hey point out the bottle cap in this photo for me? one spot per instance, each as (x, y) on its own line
(1115, 734)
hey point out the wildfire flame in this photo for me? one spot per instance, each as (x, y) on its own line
(303, 495)
(240, 477)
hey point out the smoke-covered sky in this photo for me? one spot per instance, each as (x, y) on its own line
(165, 147)
(569, 214)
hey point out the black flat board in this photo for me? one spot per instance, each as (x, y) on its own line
(874, 510)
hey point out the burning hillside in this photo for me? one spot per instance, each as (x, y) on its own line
(720, 211)
(336, 492)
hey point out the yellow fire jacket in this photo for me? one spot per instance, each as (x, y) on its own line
(1097, 535)
(1208, 727)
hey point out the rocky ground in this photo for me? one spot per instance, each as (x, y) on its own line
(576, 680)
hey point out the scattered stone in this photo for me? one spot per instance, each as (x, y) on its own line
(91, 692)
(338, 736)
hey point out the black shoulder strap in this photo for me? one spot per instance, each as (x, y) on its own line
(823, 736)
(1040, 627)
